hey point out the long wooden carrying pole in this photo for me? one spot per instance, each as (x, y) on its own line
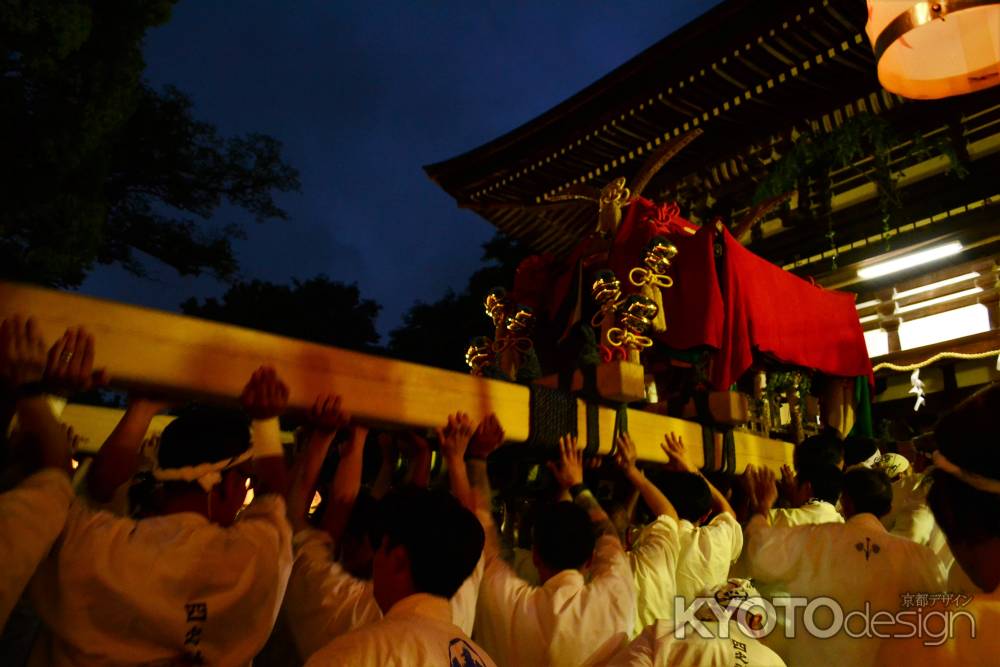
(141, 347)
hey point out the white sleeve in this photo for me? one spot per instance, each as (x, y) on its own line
(727, 532)
(773, 553)
(612, 574)
(499, 594)
(641, 652)
(915, 523)
(463, 603)
(659, 544)
(324, 601)
(32, 514)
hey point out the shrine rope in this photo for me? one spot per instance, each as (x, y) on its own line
(936, 357)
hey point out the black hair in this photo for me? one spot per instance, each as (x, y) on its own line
(443, 540)
(203, 434)
(563, 535)
(824, 448)
(967, 436)
(687, 492)
(869, 491)
(826, 480)
(858, 449)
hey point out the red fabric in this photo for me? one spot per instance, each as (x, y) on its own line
(642, 221)
(749, 305)
(533, 282)
(693, 306)
(777, 313)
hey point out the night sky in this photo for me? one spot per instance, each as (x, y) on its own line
(362, 95)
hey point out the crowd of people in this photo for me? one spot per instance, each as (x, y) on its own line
(394, 548)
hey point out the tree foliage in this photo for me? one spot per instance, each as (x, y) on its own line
(98, 165)
(438, 333)
(318, 310)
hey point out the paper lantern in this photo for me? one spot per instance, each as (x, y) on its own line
(929, 50)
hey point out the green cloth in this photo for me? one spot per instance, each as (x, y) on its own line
(863, 409)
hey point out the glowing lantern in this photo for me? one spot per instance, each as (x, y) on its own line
(928, 50)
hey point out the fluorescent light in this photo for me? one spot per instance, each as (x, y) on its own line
(945, 326)
(940, 283)
(941, 299)
(909, 261)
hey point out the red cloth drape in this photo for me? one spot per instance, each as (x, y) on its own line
(777, 313)
(747, 305)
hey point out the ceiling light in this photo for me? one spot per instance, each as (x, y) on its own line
(909, 261)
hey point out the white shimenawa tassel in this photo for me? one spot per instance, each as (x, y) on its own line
(918, 388)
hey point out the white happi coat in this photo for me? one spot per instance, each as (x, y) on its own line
(811, 513)
(706, 554)
(175, 587)
(658, 646)
(324, 601)
(32, 515)
(855, 563)
(416, 632)
(565, 622)
(654, 566)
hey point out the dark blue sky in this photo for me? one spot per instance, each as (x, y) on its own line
(362, 95)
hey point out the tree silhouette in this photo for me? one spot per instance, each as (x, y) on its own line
(98, 165)
(318, 310)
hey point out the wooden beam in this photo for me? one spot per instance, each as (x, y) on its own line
(151, 349)
(93, 424)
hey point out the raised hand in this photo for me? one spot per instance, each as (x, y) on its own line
(69, 367)
(455, 436)
(626, 454)
(265, 395)
(676, 453)
(763, 489)
(787, 487)
(568, 470)
(488, 437)
(326, 415)
(22, 352)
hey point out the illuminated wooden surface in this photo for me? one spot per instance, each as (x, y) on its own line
(141, 347)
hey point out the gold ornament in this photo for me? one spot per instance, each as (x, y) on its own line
(479, 355)
(651, 277)
(635, 317)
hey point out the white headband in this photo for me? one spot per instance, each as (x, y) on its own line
(975, 480)
(206, 474)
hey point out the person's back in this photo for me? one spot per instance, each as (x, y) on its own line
(566, 621)
(707, 549)
(659, 645)
(164, 587)
(194, 583)
(857, 564)
(429, 547)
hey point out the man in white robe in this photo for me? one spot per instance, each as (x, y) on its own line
(567, 621)
(430, 544)
(196, 582)
(857, 565)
